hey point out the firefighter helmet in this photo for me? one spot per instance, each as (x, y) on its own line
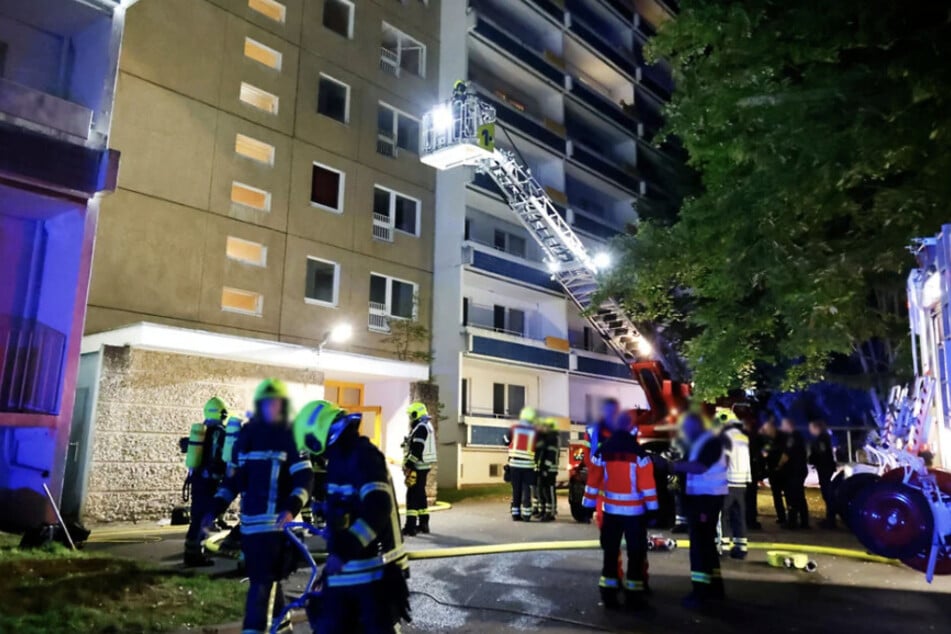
(549, 423)
(319, 424)
(417, 411)
(215, 409)
(271, 388)
(528, 414)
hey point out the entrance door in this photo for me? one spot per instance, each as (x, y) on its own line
(80, 433)
(372, 424)
(350, 397)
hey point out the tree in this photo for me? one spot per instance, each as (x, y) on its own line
(406, 336)
(820, 131)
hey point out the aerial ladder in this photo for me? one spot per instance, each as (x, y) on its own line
(460, 133)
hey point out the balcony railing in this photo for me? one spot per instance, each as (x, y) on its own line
(596, 98)
(382, 227)
(379, 318)
(483, 316)
(31, 366)
(386, 145)
(626, 178)
(545, 65)
(523, 122)
(389, 62)
(620, 57)
(592, 343)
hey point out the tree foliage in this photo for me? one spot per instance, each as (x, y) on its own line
(409, 340)
(821, 132)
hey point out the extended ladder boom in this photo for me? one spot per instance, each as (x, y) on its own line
(462, 132)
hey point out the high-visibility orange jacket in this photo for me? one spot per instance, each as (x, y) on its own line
(625, 478)
(522, 439)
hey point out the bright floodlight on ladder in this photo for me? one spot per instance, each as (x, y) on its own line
(458, 132)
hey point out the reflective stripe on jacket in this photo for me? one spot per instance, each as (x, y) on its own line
(522, 439)
(625, 479)
(713, 481)
(739, 472)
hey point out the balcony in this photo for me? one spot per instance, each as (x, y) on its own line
(613, 52)
(596, 228)
(605, 106)
(585, 364)
(489, 260)
(588, 340)
(620, 8)
(627, 179)
(536, 355)
(383, 227)
(512, 115)
(545, 64)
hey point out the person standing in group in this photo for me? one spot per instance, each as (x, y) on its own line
(419, 457)
(706, 486)
(521, 441)
(822, 457)
(205, 459)
(274, 480)
(757, 470)
(547, 452)
(795, 468)
(774, 444)
(736, 446)
(625, 484)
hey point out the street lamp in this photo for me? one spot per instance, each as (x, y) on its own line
(340, 333)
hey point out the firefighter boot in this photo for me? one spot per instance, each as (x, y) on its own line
(609, 593)
(717, 589)
(635, 597)
(195, 557)
(410, 529)
(424, 524)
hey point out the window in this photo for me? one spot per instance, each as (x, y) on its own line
(399, 52)
(252, 197)
(323, 280)
(507, 400)
(396, 130)
(508, 320)
(234, 300)
(269, 9)
(333, 99)
(253, 149)
(257, 98)
(262, 54)
(392, 210)
(338, 17)
(509, 243)
(245, 251)
(326, 188)
(390, 297)
(464, 396)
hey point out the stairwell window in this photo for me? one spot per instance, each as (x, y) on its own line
(390, 298)
(333, 98)
(323, 282)
(270, 9)
(394, 211)
(257, 98)
(262, 54)
(236, 300)
(254, 149)
(338, 17)
(252, 197)
(396, 130)
(246, 251)
(401, 53)
(326, 188)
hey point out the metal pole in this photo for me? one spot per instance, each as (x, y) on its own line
(49, 495)
(848, 443)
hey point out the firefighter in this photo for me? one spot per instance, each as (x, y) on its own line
(419, 455)
(794, 465)
(706, 486)
(547, 453)
(521, 441)
(625, 484)
(774, 442)
(364, 579)
(207, 469)
(274, 480)
(822, 457)
(736, 445)
(758, 471)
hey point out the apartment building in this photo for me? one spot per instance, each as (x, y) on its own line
(577, 103)
(271, 197)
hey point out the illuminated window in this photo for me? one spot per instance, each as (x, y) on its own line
(257, 98)
(253, 149)
(269, 9)
(262, 54)
(253, 253)
(326, 188)
(252, 197)
(235, 300)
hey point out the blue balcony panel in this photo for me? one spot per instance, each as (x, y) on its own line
(527, 126)
(519, 51)
(520, 353)
(603, 106)
(601, 367)
(621, 8)
(619, 57)
(593, 227)
(605, 168)
(552, 9)
(513, 270)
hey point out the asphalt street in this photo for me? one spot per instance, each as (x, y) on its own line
(557, 591)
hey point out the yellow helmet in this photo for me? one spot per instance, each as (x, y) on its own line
(417, 411)
(528, 414)
(550, 423)
(215, 409)
(271, 388)
(318, 425)
(721, 417)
